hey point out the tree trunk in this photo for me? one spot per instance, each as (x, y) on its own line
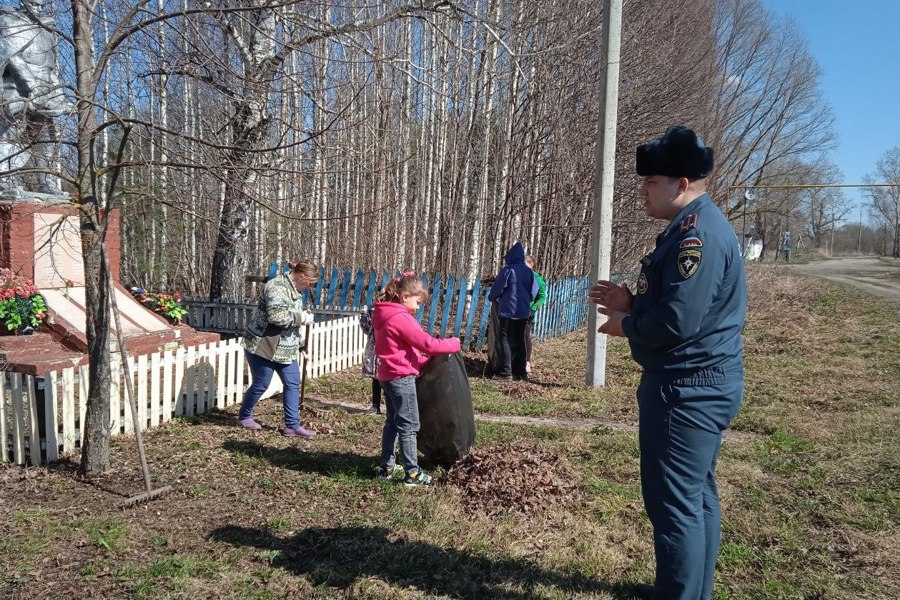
(95, 446)
(250, 125)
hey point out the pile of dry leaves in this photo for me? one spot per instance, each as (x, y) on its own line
(511, 478)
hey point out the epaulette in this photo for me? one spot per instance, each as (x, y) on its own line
(689, 222)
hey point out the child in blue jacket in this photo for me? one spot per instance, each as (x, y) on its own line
(514, 290)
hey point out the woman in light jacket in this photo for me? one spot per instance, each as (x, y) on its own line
(272, 342)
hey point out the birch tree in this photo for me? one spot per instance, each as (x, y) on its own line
(262, 53)
(769, 111)
(95, 448)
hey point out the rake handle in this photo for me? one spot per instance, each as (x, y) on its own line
(304, 354)
(129, 385)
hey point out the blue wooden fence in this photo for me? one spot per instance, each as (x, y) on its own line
(455, 306)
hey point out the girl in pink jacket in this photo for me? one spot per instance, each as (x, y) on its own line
(402, 348)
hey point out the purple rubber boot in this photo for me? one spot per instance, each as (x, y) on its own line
(299, 431)
(249, 423)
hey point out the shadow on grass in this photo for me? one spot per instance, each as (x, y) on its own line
(295, 459)
(475, 364)
(338, 557)
(115, 485)
(216, 417)
(351, 409)
(475, 369)
(546, 384)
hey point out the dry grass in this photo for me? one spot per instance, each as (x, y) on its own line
(811, 503)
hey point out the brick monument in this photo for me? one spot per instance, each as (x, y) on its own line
(43, 242)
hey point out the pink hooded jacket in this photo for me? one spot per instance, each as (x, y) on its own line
(400, 342)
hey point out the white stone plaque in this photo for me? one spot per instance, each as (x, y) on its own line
(57, 251)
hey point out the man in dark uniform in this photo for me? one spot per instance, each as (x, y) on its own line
(683, 325)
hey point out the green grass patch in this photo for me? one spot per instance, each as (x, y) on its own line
(605, 488)
(172, 567)
(784, 453)
(489, 432)
(107, 533)
(278, 525)
(341, 386)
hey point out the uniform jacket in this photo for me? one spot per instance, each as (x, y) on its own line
(400, 342)
(515, 287)
(276, 329)
(689, 304)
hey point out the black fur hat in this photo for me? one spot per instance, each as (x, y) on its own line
(679, 153)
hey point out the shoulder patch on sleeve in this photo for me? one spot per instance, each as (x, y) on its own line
(689, 222)
(691, 242)
(642, 283)
(689, 262)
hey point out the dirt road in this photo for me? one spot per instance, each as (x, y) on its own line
(874, 275)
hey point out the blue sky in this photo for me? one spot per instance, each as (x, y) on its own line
(857, 46)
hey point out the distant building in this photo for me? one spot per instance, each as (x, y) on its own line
(751, 247)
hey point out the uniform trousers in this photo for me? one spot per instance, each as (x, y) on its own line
(681, 425)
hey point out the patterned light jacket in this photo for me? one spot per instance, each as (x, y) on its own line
(276, 330)
(370, 361)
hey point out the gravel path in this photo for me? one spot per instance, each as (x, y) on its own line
(871, 274)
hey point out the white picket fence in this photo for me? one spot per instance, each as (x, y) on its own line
(184, 382)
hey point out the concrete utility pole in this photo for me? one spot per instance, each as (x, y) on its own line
(604, 172)
(859, 240)
(833, 223)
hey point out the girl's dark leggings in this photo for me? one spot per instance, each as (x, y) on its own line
(376, 394)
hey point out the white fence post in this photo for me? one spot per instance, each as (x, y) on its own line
(127, 418)
(155, 385)
(142, 390)
(68, 409)
(84, 387)
(221, 361)
(51, 427)
(191, 374)
(115, 366)
(230, 392)
(4, 414)
(35, 441)
(18, 420)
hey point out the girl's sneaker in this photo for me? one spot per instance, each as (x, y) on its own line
(417, 477)
(387, 474)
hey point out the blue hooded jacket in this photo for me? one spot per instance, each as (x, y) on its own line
(515, 287)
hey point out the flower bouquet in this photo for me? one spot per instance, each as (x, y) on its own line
(22, 308)
(167, 305)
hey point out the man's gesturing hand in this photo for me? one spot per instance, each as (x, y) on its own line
(611, 296)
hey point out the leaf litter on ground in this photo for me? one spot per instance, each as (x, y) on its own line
(506, 478)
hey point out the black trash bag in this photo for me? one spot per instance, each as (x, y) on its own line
(447, 421)
(494, 363)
